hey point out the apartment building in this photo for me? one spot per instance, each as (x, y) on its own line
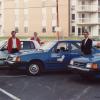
(28, 16)
(85, 15)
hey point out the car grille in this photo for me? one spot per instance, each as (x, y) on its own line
(79, 64)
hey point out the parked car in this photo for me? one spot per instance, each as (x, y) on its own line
(26, 45)
(53, 56)
(86, 66)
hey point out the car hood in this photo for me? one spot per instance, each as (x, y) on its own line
(88, 58)
(3, 55)
(27, 52)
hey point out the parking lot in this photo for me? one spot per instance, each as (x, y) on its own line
(16, 85)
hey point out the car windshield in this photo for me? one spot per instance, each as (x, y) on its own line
(48, 45)
(2, 43)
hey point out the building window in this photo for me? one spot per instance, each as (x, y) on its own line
(44, 30)
(53, 29)
(0, 4)
(79, 31)
(26, 29)
(43, 3)
(99, 32)
(83, 29)
(83, 2)
(16, 29)
(83, 15)
(73, 29)
(44, 19)
(73, 16)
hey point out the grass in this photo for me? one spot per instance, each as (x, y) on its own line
(45, 38)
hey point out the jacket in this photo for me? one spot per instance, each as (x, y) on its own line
(37, 39)
(10, 44)
(86, 48)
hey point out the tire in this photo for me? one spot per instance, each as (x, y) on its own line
(35, 68)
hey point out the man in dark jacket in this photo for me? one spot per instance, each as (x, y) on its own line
(86, 46)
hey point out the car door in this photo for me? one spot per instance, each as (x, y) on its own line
(3, 53)
(59, 57)
(75, 50)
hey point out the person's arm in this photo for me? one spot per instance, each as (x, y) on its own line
(90, 45)
(82, 46)
(39, 41)
(9, 44)
(18, 44)
(32, 38)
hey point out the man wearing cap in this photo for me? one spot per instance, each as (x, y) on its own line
(86, 46)
(14, 44)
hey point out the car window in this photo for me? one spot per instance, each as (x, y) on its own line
(63, 47)
(4, 45)
(75, 46)
(27, 45)
(48, 45)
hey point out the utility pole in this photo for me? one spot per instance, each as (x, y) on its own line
(57, 8)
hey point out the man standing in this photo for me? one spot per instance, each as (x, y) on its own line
(36, 38)
(14, 44)
(86, 46)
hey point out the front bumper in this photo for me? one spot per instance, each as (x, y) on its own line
(84, 71)
(78, 68)
(17, 65)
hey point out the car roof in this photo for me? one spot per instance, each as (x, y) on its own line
(68, 40)
(20, 40)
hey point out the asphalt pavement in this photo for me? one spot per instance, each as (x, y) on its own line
(16, 85)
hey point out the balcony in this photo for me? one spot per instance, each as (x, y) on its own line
(87, 8)
(88, 21)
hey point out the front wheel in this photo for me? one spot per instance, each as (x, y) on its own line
(35, 68)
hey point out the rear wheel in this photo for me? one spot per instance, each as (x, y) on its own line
(35, 68)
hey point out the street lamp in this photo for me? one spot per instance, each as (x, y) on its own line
(57, 9)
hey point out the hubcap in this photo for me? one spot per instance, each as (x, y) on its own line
(34, 69)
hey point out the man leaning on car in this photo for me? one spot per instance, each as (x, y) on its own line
(86, 46)
(14, 44)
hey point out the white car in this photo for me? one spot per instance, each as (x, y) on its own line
(26, 46)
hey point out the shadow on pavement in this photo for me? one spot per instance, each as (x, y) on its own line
(86, 81)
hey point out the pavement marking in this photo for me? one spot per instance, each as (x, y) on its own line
(82, 93)
(9, 94)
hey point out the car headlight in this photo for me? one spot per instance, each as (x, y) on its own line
(71, 62)
(89, 65)
(16, 59)
(92, 66)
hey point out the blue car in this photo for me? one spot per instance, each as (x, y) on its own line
(53, 56)
(86, 66)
